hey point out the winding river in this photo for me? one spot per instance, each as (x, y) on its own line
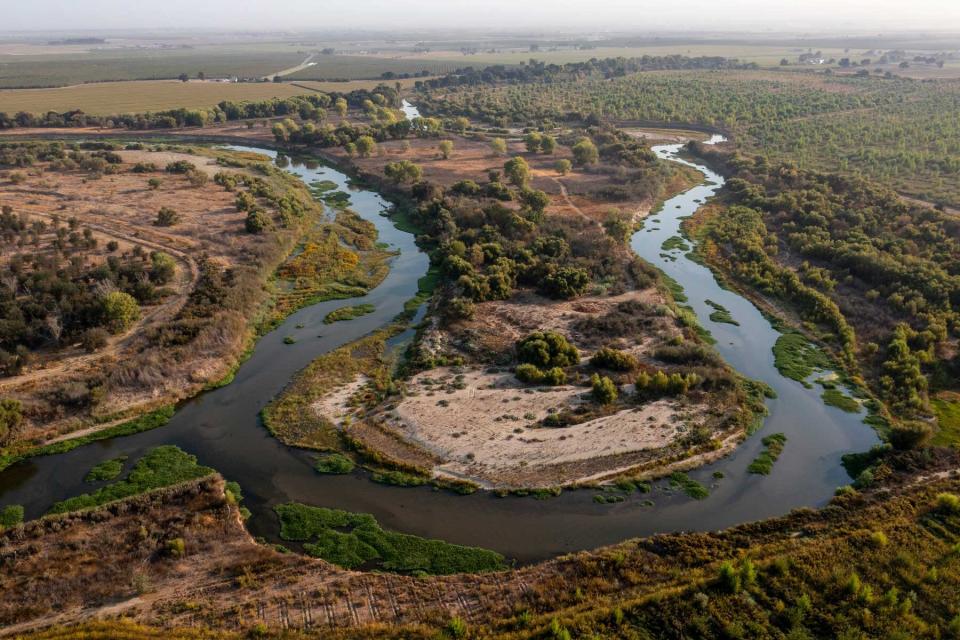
(222, 427)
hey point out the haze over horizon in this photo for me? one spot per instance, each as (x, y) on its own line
(622, 15)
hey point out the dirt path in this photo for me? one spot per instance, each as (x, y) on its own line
(569, 202)
(115, 346)
(300, 67)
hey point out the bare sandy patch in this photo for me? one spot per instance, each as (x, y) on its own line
(484, 426)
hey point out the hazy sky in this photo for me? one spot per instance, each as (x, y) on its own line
(620, 15)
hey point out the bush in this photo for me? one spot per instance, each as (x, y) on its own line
(603, 389)
(563, 167)
(910, 435)
(154, 183)
(166, 217)
(948, 503)
(546, 349)
(585, 152)
(11, 516)
(11, 416)
(256, 222)
(120, 311)
(613, 359)
(565, 283)
(94, 339)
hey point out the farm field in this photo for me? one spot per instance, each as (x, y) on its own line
(136, 64)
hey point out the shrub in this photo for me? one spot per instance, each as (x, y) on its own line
(403, 171)
(457, 628)
(613, 359)
(910, 435)
(445, 148)
(94, 338)
(728, 579)
(498, 146)
(517, 170)
(547, 349)
(166, 217)
(11, 516)
(176, 547)
(565, 283)
(529, 373)
(563, 166)
(256, 222)
(948, 503)
(154, 183)
(585, 152)
(603, 389)
(180, 166)
(120, 311)
(11, 416)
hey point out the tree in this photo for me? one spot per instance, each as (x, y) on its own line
(563, 167)
(548, 144)
(341, 107)
(366, 146)
(585, 152)
(183, 77)
(613, 359)
(120, 311)
(532, 140)
(201, 75)
(603, 389)
(498, 146)
(403, 171)
(166, 217)
(446, 148)
(517, 170)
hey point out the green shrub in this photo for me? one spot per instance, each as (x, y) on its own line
(546, 349)
(910, 435)
(613, 359)
(603, 389)
(10, 516)
(948, 503)
(335, 463)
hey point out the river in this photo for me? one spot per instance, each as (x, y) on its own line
(222, 427)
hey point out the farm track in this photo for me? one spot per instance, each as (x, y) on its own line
(163, 312)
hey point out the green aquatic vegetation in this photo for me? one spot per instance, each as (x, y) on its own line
(322, 186)
(836, 398)
(398, 478)
(348, 313)
(796, 357)
(607, 499)
(335, 463)
(688, 485)
(352, 540)
(106, 470)
(763, 464)
(675, 288)
(160, 467)
(674, 242)
(336, 199)
(289, 340)
(720, 313)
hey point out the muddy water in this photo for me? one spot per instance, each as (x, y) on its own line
(223, 430)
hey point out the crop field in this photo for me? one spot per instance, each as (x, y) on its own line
(339, 67)
(109, 98)
(136, 64)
